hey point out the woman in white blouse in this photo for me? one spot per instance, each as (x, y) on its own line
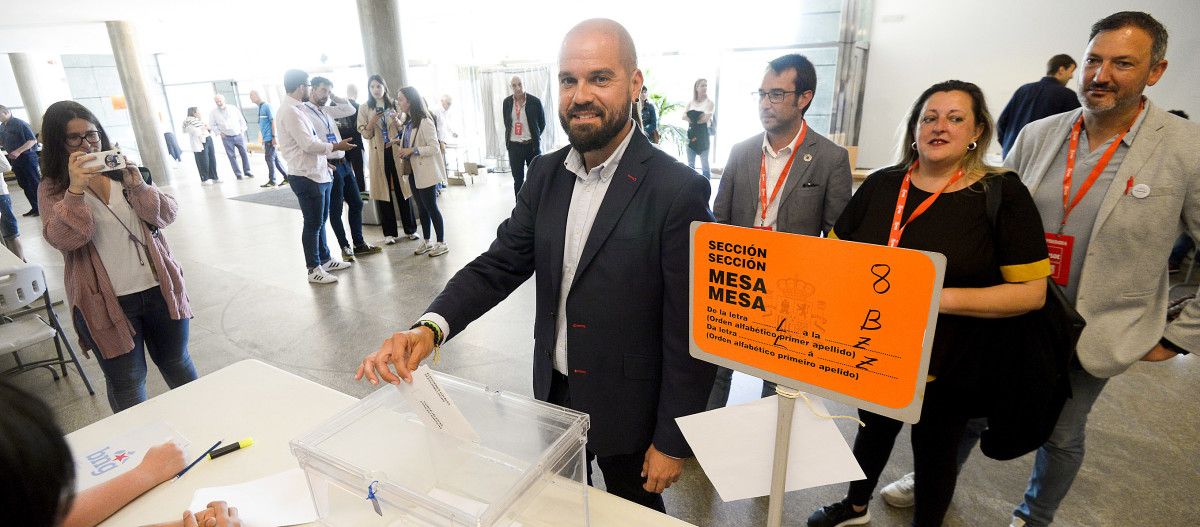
(699, 115)
(200, 143)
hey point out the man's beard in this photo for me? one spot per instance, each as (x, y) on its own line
(1119, 102)
(592, 138)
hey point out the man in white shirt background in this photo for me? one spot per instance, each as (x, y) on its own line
(232, 127)
(307, 155)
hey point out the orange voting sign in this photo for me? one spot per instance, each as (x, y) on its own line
(849, 321)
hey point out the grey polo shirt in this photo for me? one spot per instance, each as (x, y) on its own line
(1048, 195)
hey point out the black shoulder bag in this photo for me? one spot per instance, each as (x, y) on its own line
(1028, 382)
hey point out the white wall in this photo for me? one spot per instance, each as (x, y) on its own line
(1000, 46)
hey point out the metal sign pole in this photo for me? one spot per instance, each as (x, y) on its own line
(783, 438)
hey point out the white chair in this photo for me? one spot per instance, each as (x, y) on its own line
(20, 287)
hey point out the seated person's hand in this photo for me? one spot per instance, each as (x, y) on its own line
(162, 462)
(218, 514)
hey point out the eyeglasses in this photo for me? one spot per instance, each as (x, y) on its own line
(775, 96)
(74, 140)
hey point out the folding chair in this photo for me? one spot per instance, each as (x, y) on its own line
(20, 287)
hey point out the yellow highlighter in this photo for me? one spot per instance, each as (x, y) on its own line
(231, 448)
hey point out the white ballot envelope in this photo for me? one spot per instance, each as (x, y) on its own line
(735, 446)
(435, 407)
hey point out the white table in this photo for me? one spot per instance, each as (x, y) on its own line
(250, 398)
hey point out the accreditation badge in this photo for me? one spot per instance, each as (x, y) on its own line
(1060, 246)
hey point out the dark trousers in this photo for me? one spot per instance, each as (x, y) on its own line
(235, 145)
(622, 472)
(387, 215)
(428, 209)
(935, 443)
(210, 151)
(204, 167)
(355, 157)
(25, 166)
(154, 333)
(272, 158)
(520, 155)
(345, 190)
(314, 206)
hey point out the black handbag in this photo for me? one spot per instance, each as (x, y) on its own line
(1028, 371)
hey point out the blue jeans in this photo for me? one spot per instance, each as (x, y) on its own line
(1058, 461)
(428, 209)
(345, 188)
(155, 333)
(235, 144)
(314, 205)
(703, 161)
(29, 177)
(8, 220)
(1183, 246)
(272, 158)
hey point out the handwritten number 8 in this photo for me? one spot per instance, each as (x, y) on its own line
(881, 271)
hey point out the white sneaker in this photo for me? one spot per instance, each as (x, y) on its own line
(900, 493)
(319, 276)
(423, 248)
(389, 240)
(438, 249)
(1017, 522)
(207, 182)
(412, 236)
(336, 265)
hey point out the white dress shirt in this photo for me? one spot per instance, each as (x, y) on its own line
(590, 188)
(323, 120)
(227, 121)
(520, 115)
(775, 162)
(305, 152)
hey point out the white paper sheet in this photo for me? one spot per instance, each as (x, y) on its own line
(434, 406)
(114, 456)
(735, 446)
(274, 501)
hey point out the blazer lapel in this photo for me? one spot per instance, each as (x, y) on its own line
(630, 174)
(749, 182)
(799, 168)
(554, 220)
(1147, 139)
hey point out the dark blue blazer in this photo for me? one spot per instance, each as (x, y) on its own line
(627, 313)
(1031, 102)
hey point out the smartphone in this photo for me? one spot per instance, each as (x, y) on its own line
(106, 160)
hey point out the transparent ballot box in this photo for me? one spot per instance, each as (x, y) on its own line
(377, 464)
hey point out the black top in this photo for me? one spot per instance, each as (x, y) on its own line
(956, 226)
(1033, 101)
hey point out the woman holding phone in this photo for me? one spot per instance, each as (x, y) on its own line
(380, 134)
(126, 291)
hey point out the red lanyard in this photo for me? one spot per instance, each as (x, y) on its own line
(897, 227)
(517, 109)
(762, 174)
(1068, 203)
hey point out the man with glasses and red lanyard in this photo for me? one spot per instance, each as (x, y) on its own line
(789, 179)
(524, 121)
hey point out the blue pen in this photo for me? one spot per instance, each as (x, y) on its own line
(202, 456)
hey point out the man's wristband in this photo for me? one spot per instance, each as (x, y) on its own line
(1171, 346)
(438, 336)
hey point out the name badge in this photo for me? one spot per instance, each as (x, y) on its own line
(1060, 246)
(517, 128)
(385, 136)
(331, 138)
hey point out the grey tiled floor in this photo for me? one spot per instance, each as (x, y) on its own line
(245, 276)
